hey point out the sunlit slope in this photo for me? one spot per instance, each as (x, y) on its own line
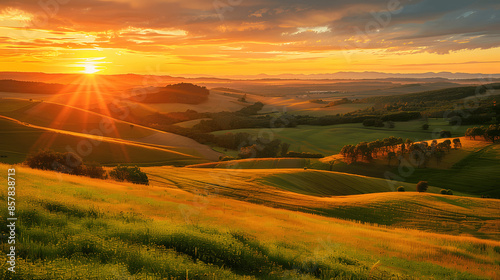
(79, 226)
(477, 173)
(17, 141)
(340, 195)
(73, 119)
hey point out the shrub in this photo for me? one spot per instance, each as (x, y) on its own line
(401, 189)
(51, 160)
(69, 163)
(422, 186)
(94, 170)
(425, 126)
(449, 192)
(443, 191)
(130, 174)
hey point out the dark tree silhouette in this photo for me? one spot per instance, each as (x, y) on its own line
(422, 186)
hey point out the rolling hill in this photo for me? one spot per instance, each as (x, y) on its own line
(339, 195)
(161, 231)
(64, 119)
(18, 140)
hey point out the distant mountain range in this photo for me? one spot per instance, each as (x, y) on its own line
(368, 75)
(137, 79)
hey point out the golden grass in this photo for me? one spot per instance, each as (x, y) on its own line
(163, 201)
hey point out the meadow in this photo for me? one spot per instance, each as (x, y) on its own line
(78, 228)
(329, 140)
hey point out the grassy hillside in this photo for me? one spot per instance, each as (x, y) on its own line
(74, 228)
(477, 173)
(74, 119)
(17, 141)
(339, 195)
(52, 116)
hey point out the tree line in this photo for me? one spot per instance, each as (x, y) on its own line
(393, 147)
(490, 133)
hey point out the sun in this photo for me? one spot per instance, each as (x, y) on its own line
(90, 69)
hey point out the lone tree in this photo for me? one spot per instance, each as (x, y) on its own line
(401, 189)
(422, 186)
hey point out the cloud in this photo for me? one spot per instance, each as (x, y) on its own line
(198, 30)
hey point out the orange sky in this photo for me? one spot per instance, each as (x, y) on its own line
(247, 37)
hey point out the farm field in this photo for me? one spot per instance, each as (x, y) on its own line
(170, 232)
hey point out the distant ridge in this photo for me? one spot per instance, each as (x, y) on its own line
(371, 75)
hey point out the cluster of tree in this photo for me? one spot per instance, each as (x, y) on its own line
(262, 148)
(393, 147)
(292, 154)
(130, 174)
(370, 150)
(71, 163)
(30, 87)
(491, 133)
(186, 93)
(251, 110)
(67, 162)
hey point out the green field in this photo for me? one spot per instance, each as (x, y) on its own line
(478, 173)
(79, 228)
(329, 140)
